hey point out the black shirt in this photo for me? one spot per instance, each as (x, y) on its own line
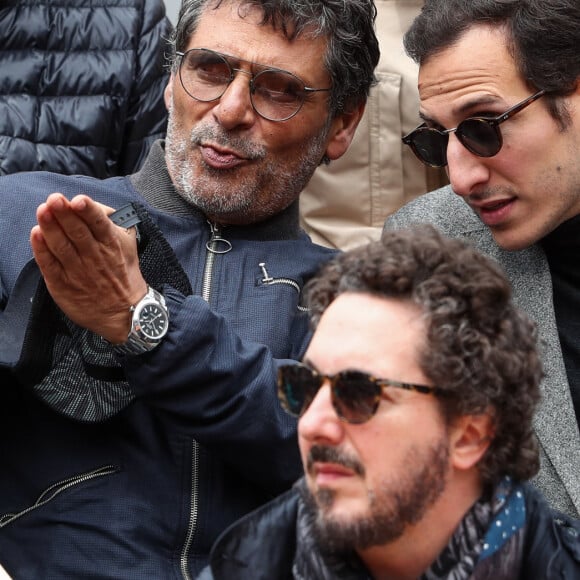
(562, 248)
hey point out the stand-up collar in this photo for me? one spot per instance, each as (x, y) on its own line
(154, 184)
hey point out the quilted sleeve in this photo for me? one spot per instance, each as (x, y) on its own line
(146, 118)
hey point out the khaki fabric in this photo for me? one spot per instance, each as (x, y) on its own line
(346, 203)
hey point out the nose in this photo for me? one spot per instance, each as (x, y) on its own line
(234, 107)
(320, 421)
(467, 172)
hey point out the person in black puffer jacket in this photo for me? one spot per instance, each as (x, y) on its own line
(81, 90)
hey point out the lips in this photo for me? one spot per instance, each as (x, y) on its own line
(220, 158)
(492, 213)
(329, 473)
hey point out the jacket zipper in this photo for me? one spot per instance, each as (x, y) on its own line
(192, 524)
(55, 489)
(215, 245)
(268, 280)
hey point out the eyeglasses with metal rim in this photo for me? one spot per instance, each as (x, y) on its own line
(479, 135)
(355, 395)
(275, 94)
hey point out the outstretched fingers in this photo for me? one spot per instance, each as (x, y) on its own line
(89, 264)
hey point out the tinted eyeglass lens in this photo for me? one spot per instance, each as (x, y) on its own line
(480, 137)
(205, 75)
(277, 95)
(297, 387)
(430, 146)
(355, 396)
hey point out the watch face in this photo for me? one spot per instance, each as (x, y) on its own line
(153, 321)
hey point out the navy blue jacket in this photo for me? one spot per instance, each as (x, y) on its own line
(144, 493)
(81, 85)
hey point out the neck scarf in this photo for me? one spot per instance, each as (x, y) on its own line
(486, 545)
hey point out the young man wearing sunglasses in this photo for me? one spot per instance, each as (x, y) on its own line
(500, 98)
(415, 399)
(137, 413)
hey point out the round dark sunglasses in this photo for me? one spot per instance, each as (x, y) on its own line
(355, 395)
(479, 135)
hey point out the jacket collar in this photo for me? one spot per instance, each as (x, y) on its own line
(262, 541)
(153, 182)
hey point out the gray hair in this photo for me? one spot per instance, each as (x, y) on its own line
(353, 48)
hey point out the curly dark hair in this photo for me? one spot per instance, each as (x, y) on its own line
(353, 48)
(542, 35)
(480, 349)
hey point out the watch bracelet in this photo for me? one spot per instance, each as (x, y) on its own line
(134, 343)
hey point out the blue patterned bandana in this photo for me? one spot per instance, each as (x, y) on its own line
(488, 543)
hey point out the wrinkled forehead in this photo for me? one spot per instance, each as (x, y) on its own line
(240, 32)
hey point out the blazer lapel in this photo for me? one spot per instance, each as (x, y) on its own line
(555, 421)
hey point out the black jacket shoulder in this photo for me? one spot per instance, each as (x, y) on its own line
(552, 549)
(257, 544)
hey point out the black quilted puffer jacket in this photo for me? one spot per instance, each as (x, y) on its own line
(81, 84)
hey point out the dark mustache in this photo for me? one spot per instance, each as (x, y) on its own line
(323, 454)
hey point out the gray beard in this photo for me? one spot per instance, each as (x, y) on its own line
(238, 205)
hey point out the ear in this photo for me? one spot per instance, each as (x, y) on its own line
(342, 131)
(168, 92)
(573, 103)
(470, 437)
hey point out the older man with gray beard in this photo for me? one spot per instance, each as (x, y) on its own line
(144, 318)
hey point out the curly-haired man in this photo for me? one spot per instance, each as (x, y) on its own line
(415, 399)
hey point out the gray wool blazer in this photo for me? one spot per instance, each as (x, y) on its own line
(555, 422)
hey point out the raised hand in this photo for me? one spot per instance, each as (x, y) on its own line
(90, 265)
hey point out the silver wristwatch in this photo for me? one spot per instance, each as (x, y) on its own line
(149, 324)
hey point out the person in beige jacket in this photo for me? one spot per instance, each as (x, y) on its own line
(346, 203)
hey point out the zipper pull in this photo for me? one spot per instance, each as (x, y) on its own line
(216, 238)
(267, 278)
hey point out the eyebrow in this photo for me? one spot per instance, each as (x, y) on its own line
(464, 108)
(311, 365)
(236, 60)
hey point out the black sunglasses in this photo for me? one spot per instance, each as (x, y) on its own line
(355, 395)
(479, 135)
